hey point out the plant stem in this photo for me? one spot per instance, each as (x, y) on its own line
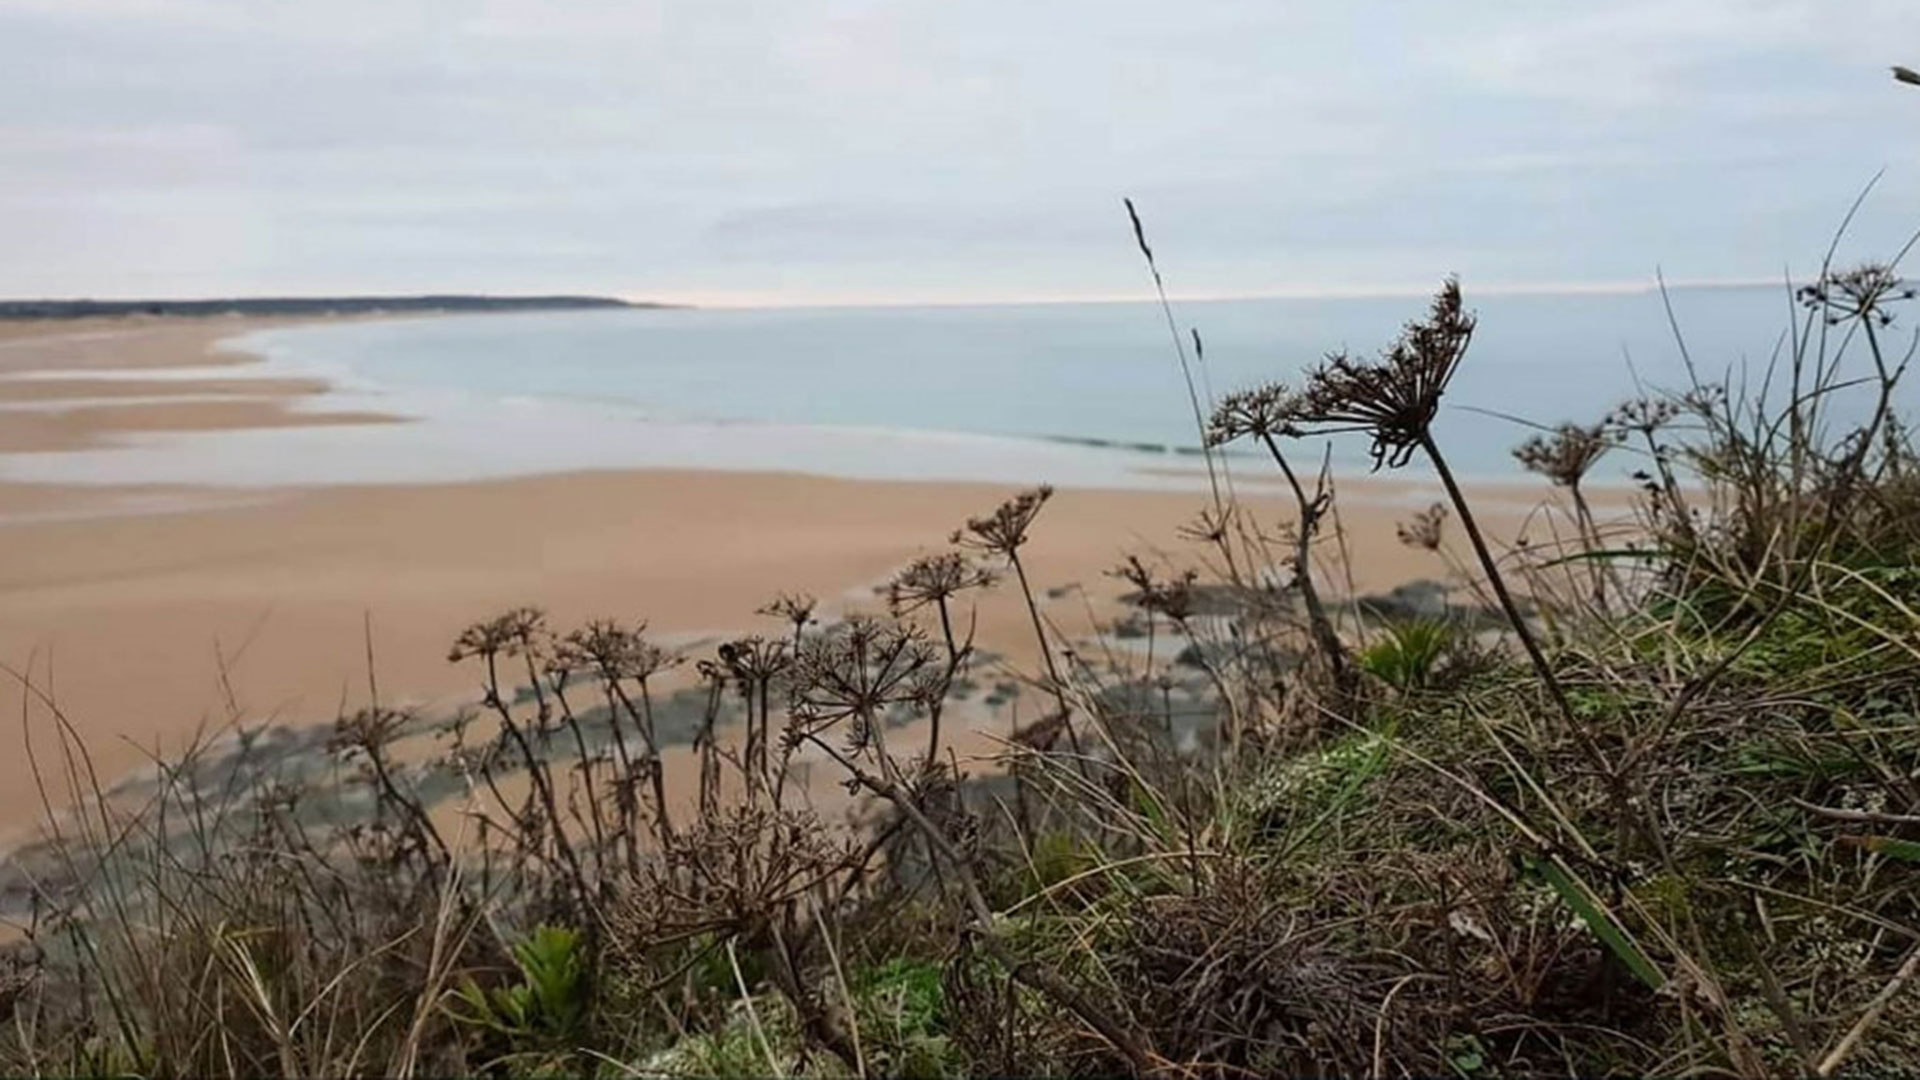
(537, 771)
(953, 670)
(1322, 626)
(586, 772)
(1590, 537)
(1539, 659)
(644, 723)
(1046, 653)
(1179, 350)
(656, 766)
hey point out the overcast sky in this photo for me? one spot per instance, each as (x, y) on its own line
(820, 150)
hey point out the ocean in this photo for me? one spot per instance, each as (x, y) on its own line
(1086, 394)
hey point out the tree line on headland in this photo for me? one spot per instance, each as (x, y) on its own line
(305, 305)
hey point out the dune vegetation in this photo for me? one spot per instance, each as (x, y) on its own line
(1647, 801)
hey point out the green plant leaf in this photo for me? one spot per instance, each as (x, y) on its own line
(1149, 804)
(1465, 1054)
(1891, 847)
(1410, 653)
(1600, 922)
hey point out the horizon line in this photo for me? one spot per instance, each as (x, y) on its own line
(743, 301)
(751, 300)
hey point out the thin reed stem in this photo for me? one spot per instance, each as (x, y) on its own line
(1180, 350)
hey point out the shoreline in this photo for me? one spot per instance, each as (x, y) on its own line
(91, 383)
(226, 404)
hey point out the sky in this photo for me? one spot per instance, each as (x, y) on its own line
(846, 151)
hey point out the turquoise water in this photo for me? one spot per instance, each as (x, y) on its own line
(1009, 392)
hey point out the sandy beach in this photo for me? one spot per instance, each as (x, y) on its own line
(150, 613)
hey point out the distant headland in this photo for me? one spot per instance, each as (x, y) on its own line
(306, 305)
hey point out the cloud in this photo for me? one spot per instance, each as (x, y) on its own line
(947, 148)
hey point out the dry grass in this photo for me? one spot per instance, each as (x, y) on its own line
(1677, 832)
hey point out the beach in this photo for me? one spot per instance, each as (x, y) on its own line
(148, 614)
